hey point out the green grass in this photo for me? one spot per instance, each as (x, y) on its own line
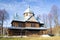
(33, 38)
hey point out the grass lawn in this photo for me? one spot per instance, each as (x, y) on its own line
(33, 38)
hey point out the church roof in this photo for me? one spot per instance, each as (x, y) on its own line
(28, 10)
(28, 18)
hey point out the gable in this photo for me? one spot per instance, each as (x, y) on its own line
(32, 18)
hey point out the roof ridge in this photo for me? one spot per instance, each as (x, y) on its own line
(29, 18)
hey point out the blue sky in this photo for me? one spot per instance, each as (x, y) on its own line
(19, 6)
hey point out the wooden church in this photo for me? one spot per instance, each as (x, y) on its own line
(27, 25)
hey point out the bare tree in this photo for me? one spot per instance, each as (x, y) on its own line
(44, 17)
(54, 11)
(3, 17)
(53, 17)
(50, 18)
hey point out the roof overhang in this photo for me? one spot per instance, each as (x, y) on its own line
(25, 28)
(24, 21)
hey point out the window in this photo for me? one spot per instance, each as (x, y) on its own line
(26, 14)
(20, 25)
(32, 24)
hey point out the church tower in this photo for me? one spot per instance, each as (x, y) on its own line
(28, 13)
